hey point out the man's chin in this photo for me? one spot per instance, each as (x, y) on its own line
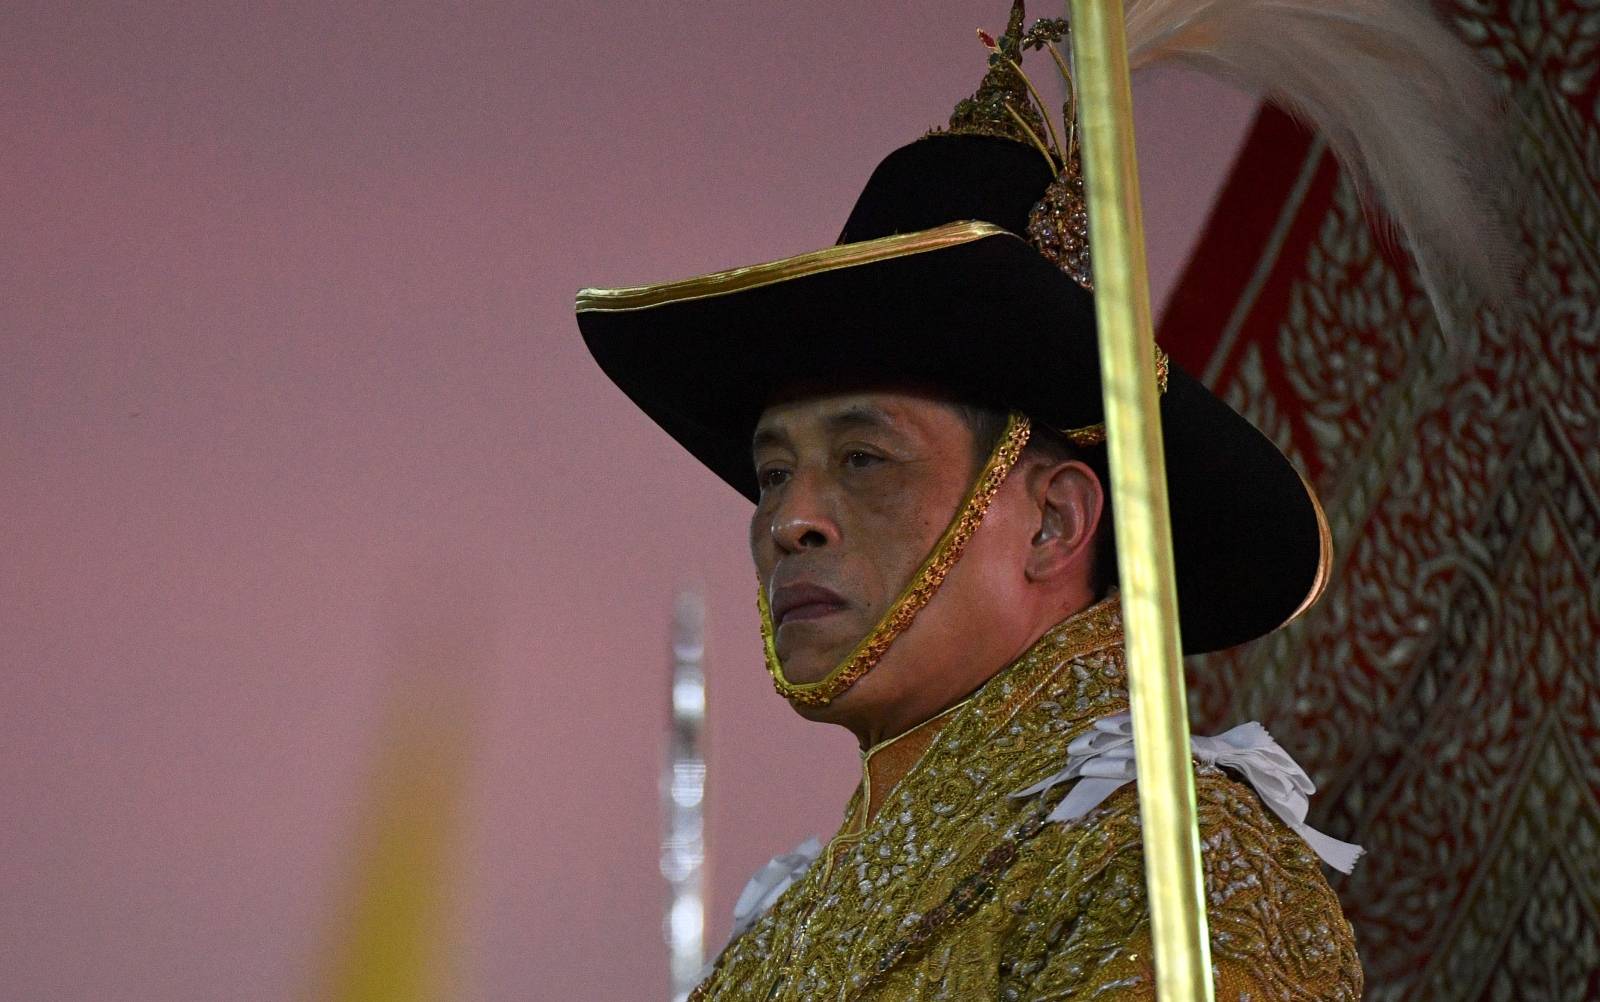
(806, 667)
(808, 654)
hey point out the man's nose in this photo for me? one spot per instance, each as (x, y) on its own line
(803, 519)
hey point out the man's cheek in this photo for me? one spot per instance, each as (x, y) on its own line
(758, 538)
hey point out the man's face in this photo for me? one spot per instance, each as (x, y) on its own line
(855, 490)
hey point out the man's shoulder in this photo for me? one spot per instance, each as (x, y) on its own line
(1274, 919)
(1243, 844)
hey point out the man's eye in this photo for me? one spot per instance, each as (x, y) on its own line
(858, 459)
(772, 477)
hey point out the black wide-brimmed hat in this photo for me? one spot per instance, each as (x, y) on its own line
(933, 282)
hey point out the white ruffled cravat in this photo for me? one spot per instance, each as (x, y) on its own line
(1101, 761)
(764, 889)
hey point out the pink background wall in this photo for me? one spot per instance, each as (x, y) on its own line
(289, 380)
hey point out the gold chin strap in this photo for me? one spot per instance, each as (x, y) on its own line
(916, 594)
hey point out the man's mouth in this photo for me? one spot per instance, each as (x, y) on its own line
(804, 601)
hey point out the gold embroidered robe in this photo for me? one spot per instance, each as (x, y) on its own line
(954, 889)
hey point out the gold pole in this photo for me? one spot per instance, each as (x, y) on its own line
(1139, 497)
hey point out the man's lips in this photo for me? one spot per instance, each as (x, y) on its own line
(802, 601)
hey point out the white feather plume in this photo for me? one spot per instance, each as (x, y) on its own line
(1401, 101)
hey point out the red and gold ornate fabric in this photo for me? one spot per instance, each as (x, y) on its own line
(1444, 693)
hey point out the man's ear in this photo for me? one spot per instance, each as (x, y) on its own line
(1068, 498)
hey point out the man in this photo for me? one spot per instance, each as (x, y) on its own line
(916, 414)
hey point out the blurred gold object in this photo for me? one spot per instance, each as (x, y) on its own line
(392, 942)
(394, 934)
(1139, 493)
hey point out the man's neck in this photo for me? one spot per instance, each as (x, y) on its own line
(877, 719)
(884, 764)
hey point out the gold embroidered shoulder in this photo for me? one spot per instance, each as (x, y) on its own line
(957, 890)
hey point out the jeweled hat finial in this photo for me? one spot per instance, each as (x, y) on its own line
(1002, 105)
(1007, 105)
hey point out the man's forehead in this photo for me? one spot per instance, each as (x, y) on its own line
(892, 408)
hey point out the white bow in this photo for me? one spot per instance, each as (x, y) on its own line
(763, 889)
(1101, 760)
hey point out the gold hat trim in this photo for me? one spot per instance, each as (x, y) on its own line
(1325, 554)
(755, 276)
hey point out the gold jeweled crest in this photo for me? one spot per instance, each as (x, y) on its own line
(1003, 104)
(1008, 105)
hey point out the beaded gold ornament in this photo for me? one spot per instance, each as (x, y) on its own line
(929, 576)
(1095, 434)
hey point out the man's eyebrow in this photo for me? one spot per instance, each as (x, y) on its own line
(768, 437)
(860, 416)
